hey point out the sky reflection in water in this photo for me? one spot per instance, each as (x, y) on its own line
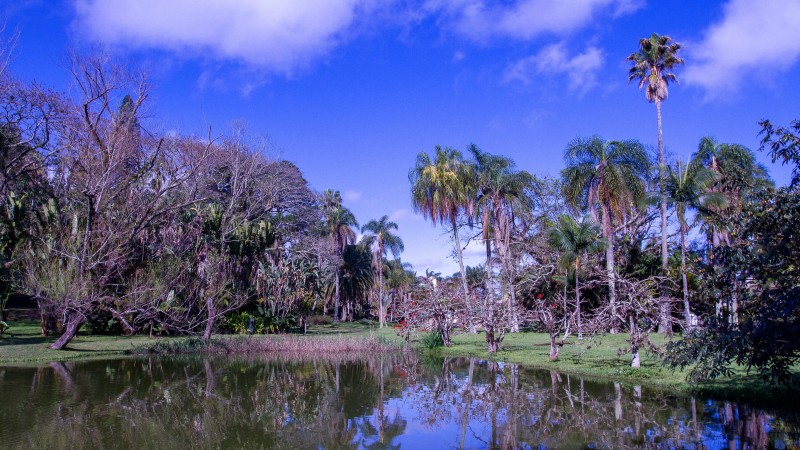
(393, 401)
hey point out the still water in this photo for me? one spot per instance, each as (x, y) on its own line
(393, 401)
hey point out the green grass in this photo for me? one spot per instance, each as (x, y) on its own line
(600, 358)
(23, 343)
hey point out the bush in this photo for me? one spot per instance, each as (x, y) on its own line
(102, 322)
(239, 323)
(319, 320)
(431, 340)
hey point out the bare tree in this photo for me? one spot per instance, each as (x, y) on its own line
(112, 181)
(437, 306)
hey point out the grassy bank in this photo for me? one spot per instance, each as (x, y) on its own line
(598, 357)
(24, 345)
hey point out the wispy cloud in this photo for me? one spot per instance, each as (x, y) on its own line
(404, 214)
(277, 35)
(480, 20)
(753, 37)
(581, 69)
(353, 196)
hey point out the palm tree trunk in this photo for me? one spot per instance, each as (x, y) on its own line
(336, 301)
(664, 326)
(489, 271)
(577, 299)
(608, 231)
(460, 255)
(380, 290)
(684, 279)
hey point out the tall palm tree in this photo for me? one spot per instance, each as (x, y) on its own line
(441, 189)
(575, 240)
(340, 222)
(501, 198)
(652, 66)
(609, 176)
(688, 187)
(385, 240)
(738, 177)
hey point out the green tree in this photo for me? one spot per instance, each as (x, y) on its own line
(783, 143)
(609, 176)
(652, 65)
(502, 198)
(385, 240)
(575, 240)
(688, 187)
(441, 189)
(340, 222)
(738, 177)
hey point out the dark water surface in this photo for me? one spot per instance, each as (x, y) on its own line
(393, 401)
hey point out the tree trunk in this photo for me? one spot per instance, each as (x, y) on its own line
(684, 280)
(380, 291)
(212, 318)
(634, 344)
(74, 322)
(608, 231)
(554, 347)
(577, 299)
(491, 342)
(460, 256)
(489, 270)
(336, 301)
(666, 309)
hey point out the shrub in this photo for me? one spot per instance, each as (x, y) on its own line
(431, 340)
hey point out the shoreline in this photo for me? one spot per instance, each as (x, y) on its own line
(596, 358)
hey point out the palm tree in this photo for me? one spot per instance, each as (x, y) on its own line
(652, 64)
(357, 276)
(609, 175)
(339, 222)
(441, 189)
(575, 240)
(400, 279)
(381, 230)
(502, 198)
(737, 176)
(688, 187)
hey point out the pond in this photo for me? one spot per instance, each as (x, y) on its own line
(397, 400)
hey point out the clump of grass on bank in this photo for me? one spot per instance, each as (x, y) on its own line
(295, 344)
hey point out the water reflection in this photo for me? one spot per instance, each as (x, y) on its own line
(385, 402)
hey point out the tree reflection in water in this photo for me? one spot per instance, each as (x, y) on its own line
(388, 401)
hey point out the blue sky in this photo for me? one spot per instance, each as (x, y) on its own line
(352, 90)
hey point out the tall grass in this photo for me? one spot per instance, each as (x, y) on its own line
(294, 344)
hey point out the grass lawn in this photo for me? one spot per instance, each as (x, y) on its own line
(600, 357)
(23, 344)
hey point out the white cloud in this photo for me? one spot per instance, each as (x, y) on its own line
(353, 196)
(277, 35)
(400, 214)
(581, 69)
(753, 37)
(523, 19)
